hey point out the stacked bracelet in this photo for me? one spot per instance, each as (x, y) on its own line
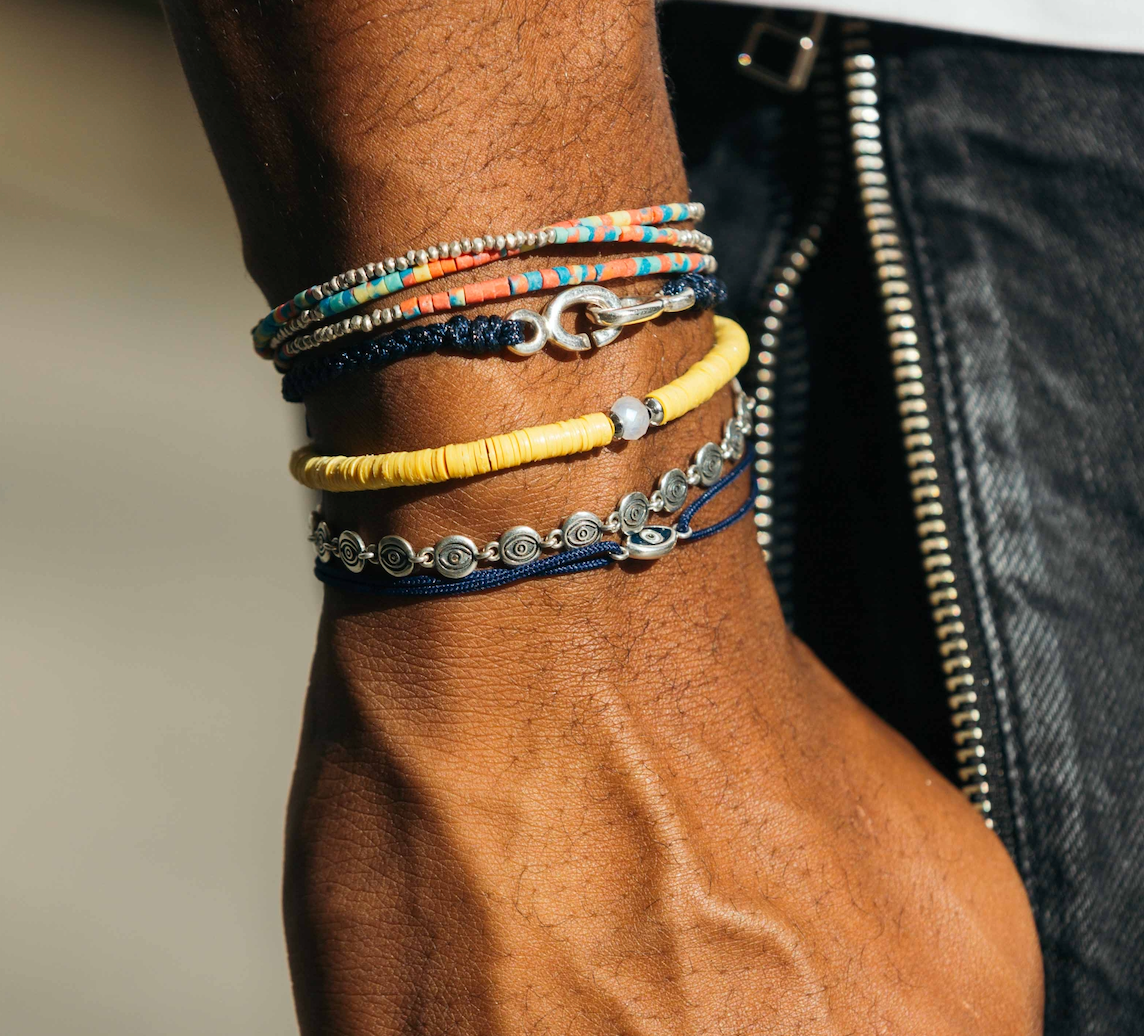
(629, 419)
(457, 557)
(477, 336)
(651, 541)
(454, 557)
(416, 266)
(499, 288)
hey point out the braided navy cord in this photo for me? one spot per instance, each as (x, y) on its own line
(476, 336)
(709, 291)
(567, 562)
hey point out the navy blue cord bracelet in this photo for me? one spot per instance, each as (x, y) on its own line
(567, 562)
(476, 336)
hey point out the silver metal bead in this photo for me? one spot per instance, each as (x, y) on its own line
(708, 463)
(422, 257)
(455, 557)
(499, 242)
(581, 529)
(352, 551)
(673, 489)
(655, 410)
(651, 542)
(478, 244)
(466, 245)
(455, 249)
(633, 510)
(442, 249)
(531, 239)
(510, 240)
(390, 265)
(432, 252)
(395, 555)
(401, 263)
(520, 545)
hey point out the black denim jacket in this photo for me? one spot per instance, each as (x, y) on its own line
(1009, 215)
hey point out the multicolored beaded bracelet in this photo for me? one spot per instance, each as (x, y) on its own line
(476, 336)
(454, 557)
(415, 266)
(629, 419)
(501, 287)
(352, 298)
(650, 542)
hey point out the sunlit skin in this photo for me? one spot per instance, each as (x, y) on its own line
(625, 801)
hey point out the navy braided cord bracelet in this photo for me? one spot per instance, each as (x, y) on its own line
(476, 336)
(567, 562)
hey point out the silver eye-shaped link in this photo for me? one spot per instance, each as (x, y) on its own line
(651, 542)
(582, 529)
(519, 545)
(455, 557)
(322, 539)
(395, 555)
(352, 551)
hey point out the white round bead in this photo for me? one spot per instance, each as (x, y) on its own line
(632, 417)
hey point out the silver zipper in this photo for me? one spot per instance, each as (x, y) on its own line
(776, 299)
(899, 307)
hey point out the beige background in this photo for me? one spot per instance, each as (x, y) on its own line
(156, 607)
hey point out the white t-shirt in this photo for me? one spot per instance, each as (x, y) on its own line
(1096, 24)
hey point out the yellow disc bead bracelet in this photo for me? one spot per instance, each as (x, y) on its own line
(512, 449)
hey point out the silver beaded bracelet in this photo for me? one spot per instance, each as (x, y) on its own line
(606, 308)
(520, 239)
(455, 557)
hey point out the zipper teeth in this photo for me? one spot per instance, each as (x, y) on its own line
(774, 539)
(860, 83)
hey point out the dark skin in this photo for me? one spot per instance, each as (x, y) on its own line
(623, 801)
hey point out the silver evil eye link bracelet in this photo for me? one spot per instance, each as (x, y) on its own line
(455, 557)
